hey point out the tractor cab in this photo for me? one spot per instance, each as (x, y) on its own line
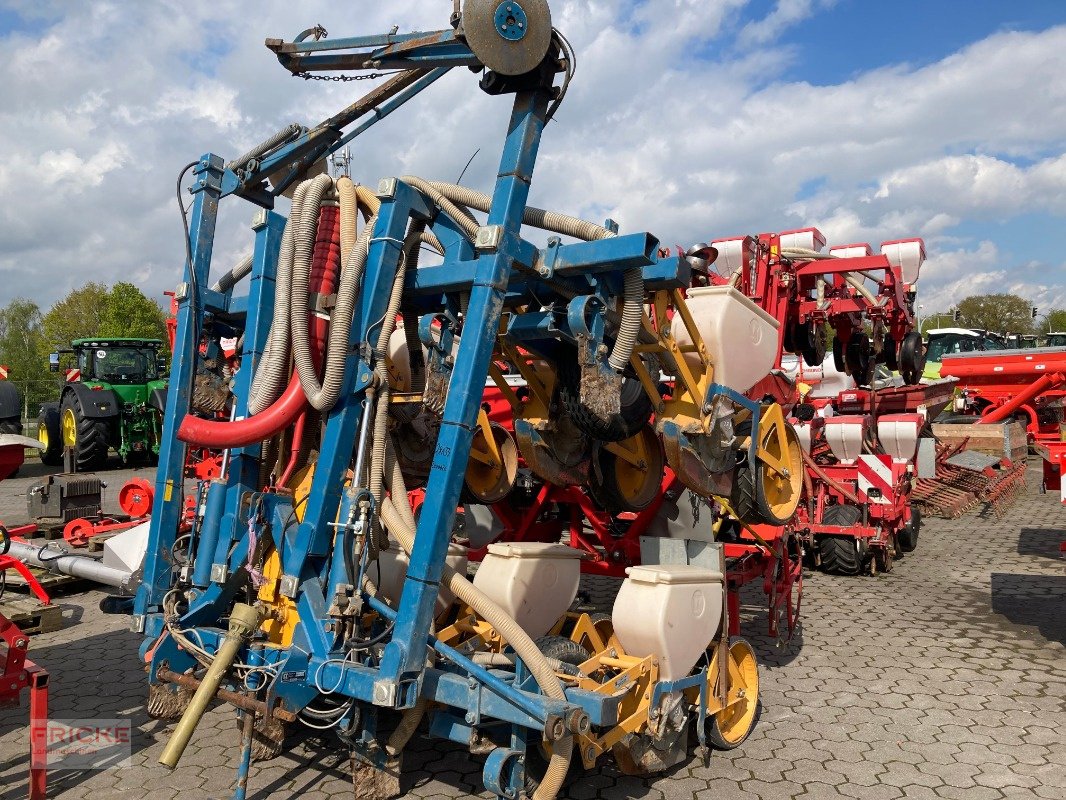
(118, 361)
(948, 341)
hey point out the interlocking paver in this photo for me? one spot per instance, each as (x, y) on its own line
(944, 680)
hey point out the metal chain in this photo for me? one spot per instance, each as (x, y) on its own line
(310, 76)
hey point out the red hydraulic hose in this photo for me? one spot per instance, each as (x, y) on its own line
(294, 450)
(325, 269)
(1042, 384)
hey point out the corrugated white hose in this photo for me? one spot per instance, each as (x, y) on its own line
(272, 372)
(632, 279)
(814, 255)
(349, 202)
(323, 396)
(461, 216)
(487, 609)
(237, 273)
(381, 420)
(301, 274)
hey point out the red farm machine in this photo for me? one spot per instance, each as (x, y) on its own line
(860, 426)
(1027, 386)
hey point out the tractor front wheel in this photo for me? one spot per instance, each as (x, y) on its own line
(88, 436)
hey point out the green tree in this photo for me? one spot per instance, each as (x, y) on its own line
(1054, 321)
(94, 310)
(940, 319)
(24, 352)
(129, 313)
(76, 316)
(1002, 313)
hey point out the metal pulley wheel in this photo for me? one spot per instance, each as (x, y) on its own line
(135, 497)
(510, 37)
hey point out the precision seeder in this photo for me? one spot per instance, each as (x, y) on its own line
(304, 589)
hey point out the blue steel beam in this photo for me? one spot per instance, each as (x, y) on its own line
(338, 441)
(170, 500)
(243, 475)
(405, 653)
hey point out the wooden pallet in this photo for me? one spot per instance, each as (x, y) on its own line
(48, 580)
(31, 615)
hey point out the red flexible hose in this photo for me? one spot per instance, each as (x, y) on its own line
(325, 270)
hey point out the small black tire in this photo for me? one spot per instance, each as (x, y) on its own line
(841, 555)
(811, 340)
(11, 425)
(912, 358)
(562, 649)
(636, 406)
(48, 423)
(91, 438)
(907, 539)
(838, 355)
(858, 357)
(890, 353)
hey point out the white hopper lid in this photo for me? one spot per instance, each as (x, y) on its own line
(807, 238)
(532, 550)
(733, 253)
(851, 250)
(673, 574)
(908, 255)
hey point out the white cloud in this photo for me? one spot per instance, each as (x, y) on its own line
(105, 104)
(785, 14)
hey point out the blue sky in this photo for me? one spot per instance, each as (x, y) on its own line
(694, 119)
(854, 36)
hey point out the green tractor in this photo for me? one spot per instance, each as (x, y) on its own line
(113, 397)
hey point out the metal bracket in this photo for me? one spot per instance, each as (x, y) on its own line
(488, 238)
(289, 585)
(546, 267)
(219, 573)
(387, 188)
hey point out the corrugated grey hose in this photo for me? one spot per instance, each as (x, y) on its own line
(381, 418)
(323, 396)
(400, 522)
(237, 273)
(412, 248)
(632, 279)
(279, 138)
(272, 372)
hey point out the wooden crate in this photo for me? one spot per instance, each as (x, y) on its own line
(31, 615)
(1004, 440)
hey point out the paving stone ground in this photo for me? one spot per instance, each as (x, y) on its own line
(943, 679)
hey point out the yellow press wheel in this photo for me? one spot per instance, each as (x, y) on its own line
(628, 474)
(729, 727)
(492, 469)
(769, 490)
